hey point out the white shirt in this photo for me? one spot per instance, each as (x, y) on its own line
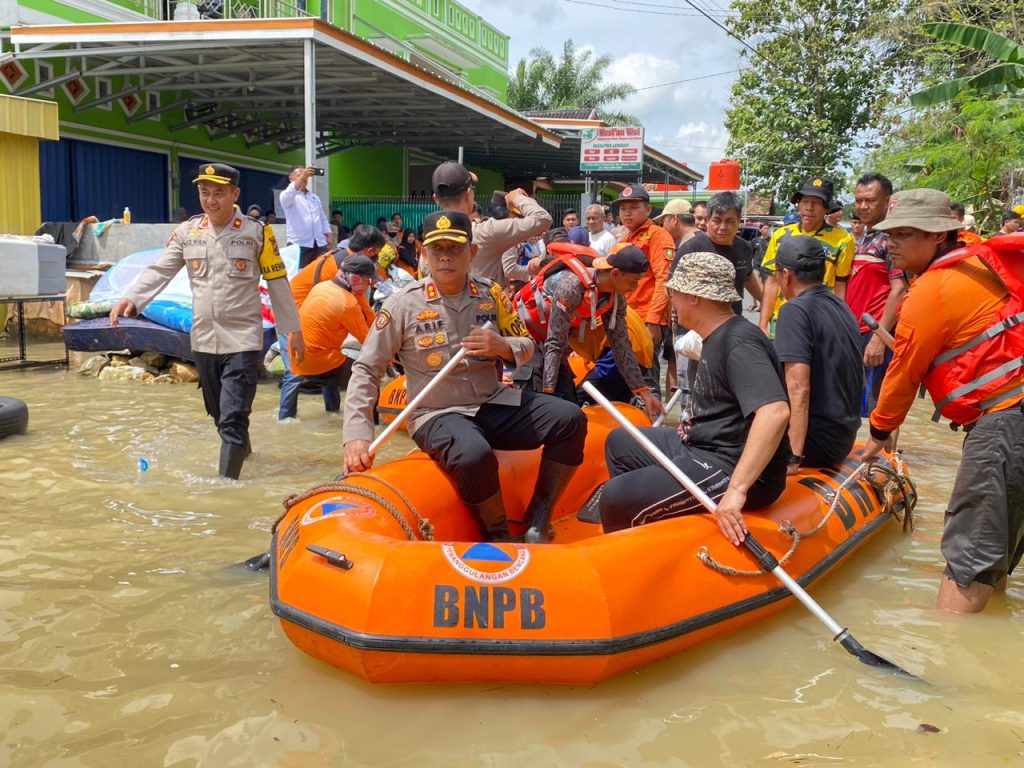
(305, 220)
(602, 243)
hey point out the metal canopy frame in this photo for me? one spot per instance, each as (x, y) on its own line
(305, 84)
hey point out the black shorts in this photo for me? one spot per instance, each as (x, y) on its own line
(983, 533)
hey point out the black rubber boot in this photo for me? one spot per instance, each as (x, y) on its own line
(490, 515)
(231, 459)
(552, 480)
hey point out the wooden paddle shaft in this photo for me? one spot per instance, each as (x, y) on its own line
(384, 436)
(698, 493)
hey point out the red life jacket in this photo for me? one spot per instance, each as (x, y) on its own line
(962, 380)
(533, 301)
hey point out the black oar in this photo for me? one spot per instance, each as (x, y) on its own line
(766, 559)
(262, 560)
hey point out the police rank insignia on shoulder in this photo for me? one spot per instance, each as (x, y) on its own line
(434, 359)
(473, 290)
(383, 318)
(428, 314)
(236, 224)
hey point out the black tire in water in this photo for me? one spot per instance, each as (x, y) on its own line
(13, 417)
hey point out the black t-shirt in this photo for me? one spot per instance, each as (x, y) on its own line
(739, 253)
(738, 372)
(818, 329)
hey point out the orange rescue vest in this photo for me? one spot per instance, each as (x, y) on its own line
(534, 299)
(962, 380)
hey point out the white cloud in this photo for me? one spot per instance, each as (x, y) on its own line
(685, 120)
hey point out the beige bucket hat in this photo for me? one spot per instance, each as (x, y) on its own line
(924, 209)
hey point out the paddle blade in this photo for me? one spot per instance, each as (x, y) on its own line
(258, 562)
(849, 642)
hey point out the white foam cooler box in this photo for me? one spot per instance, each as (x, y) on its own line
(32, 269)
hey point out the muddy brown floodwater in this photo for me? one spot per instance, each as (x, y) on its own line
(125, 639)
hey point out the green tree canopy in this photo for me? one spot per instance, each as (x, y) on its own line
(819, 78)
(574, 81)
(970, 149)
(1005, 75)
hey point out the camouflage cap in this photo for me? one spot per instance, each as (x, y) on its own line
(707, 275)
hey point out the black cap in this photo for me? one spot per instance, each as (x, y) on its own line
(217, 173)
(627, 258)
(447, 225)
(816, 187)
(556, 235)
(451, 179)
(357, 264)
(833, 206)
(632, 192)
(800, 253)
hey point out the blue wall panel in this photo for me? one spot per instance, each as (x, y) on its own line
(82, 178)
(55, 180)
(105, 179)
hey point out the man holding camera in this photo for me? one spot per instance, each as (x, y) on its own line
(306, 220)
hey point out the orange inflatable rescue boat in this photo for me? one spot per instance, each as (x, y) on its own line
(382, 574)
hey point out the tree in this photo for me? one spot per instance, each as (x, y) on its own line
(576, 80)
(818, 77)
(1005, 76)
(970, 149)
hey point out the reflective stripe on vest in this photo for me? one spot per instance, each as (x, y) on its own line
(965, 381)
(978, 383)
(989, 333)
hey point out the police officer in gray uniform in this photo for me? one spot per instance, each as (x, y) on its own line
(463, 422)
(225, 253)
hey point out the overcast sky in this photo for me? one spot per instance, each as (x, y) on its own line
(658, 45)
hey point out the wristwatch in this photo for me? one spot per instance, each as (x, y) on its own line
(794, 459)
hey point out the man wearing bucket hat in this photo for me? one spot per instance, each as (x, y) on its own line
(812, 203)
(225, 254)
(473, 413)
(734, 445)
(960, 335)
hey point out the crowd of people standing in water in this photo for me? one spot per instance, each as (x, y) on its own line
(849, 327)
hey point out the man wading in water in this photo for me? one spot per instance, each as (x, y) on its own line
(959, 335)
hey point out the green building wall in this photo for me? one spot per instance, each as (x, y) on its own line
(480, 49)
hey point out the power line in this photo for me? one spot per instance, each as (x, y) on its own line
(722, 27)
(686, 80)
(616, 7)
(719, 11)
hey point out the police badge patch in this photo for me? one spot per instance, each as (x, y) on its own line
(383, 318)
